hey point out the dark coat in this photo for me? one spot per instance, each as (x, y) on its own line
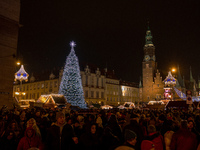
(89, 141)
(57, 140)
(183, 139)
(135, 127)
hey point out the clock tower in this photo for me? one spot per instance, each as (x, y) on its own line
(149, 67)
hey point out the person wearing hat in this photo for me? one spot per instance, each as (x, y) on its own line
(130, 139)
(60, 135)
(135, 127)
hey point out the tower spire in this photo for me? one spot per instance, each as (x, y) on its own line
(191, 77)
(148, 37)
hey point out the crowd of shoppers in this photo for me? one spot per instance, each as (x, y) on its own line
(114, 129)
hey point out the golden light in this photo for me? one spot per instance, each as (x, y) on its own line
(18, 63)
(173, 70)
(16, 93)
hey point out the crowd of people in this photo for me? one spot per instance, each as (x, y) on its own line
(114, 129)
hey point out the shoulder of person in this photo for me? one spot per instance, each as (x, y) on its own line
(123, 147)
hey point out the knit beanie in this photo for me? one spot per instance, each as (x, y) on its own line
(59, 114)
(147, 145)
(129, 135)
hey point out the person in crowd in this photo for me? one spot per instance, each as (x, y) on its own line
(130, 139)
(69, 121)
(88, 123)
(192, 128)
(51, 118)
(168, 134)
(155, 137)
(114, 126)
(147, 145)
(60, 136)
(32, 123)
(30, 140)
(183, 139)
(90, 140)
(160, 126)
(8, 141)
(78, 130)
(109, 141)
(135, 127)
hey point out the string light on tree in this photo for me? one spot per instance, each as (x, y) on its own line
(71, 83)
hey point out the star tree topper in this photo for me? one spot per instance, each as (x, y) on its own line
(72, 44)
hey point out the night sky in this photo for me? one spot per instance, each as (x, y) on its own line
(110, 33)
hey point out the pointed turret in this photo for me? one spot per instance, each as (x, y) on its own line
(179, 78)
(148, 37)
(140, 84)
(191, 77)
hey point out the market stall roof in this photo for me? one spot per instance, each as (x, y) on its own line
(179, 104)
(52, 98)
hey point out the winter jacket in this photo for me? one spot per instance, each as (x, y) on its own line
(29, 142)
(183, 139)
(59, 137)
(157, 140)
(89, 141)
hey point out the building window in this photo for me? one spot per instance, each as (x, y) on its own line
(37, 95)
(42, 85)
(51, 84)
(27, 88)
(97, 94)
(55, 83)
(92, 80)
(102, 94)
(30, 87)
(34, 86)
(46, 85)
(92, 94)
(97, 81)
(33, 96)
(86, 94)
(86, 80)
(38, 86)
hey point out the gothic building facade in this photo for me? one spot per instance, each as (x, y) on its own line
(152, 85)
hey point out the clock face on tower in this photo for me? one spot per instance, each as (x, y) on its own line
(146, 58)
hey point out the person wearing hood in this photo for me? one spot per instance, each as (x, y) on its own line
(30, 140)
(60, 135)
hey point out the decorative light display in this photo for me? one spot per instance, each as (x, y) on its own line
(71, 83)
(170, 80)
(21, 74)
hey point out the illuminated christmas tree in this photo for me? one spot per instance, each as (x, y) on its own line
(71, 84)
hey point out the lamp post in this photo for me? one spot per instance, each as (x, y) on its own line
(21, 75)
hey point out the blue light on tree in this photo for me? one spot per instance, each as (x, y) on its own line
(71, 83)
